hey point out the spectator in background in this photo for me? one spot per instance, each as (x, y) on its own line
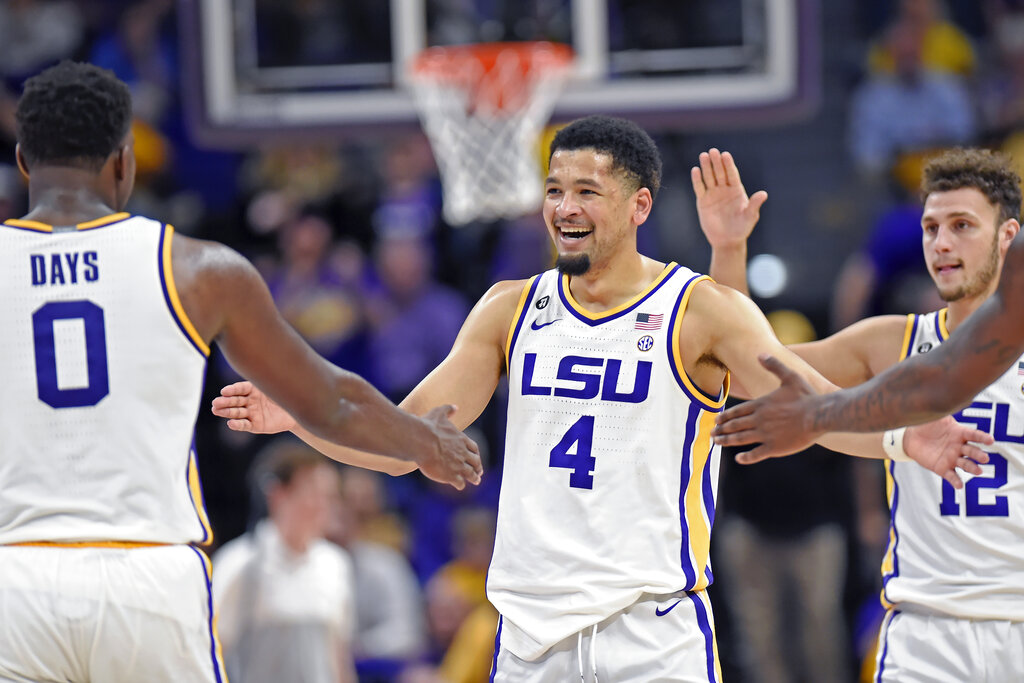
(409, 305)
(141, 54)
(35, 34)
(1002, 93)
(944, 47)
(314, 298)
(910, 110)
(390, 626)
(886, 274)
(283, 593)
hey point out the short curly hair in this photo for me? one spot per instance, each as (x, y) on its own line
(632, 150)
(73, 114)
(991, 173)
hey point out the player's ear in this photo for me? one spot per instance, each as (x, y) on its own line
(642, 203)
(20, 158)
(1006, 232)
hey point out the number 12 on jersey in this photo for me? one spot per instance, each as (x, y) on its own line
(580, 440)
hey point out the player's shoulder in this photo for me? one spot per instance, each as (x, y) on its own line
(503, 298)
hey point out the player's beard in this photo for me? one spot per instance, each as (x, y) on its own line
(981, 280)
(576, 264)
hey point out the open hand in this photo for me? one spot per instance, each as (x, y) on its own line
(248, 409)
(727, 215)
(944, 445)
(776, 421)
(456, 460)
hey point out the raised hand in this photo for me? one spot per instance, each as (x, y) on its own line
(248, 409)
(456, 460)
(943, 445)
(776, 421)
(727, 215)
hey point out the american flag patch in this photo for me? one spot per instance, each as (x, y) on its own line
(1020, 368)
(650, 321)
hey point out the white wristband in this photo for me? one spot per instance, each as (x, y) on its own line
(892, 443)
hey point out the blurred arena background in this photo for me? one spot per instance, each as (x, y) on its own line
(286, 129)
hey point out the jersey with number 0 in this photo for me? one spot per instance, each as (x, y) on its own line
(101, 380)
(961, 553)
(610, 474)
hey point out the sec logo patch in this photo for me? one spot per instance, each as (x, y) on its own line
(645, 343)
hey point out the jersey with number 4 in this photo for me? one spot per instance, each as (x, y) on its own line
(100, 384)
(961, 553)
(610, 474)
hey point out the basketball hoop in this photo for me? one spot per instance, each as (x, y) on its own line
(483, 108)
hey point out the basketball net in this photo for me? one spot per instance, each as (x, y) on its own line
(483, 107)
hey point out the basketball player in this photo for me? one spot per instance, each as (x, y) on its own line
(617, 367)
(106, 323)
(953, 583)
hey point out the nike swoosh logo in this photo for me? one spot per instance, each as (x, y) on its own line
(658, 612)
(535, 326)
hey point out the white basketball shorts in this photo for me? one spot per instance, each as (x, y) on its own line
(658, 638)
(109, 614)
(914, 648)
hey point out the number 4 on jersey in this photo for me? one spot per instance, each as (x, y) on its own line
(580, 461)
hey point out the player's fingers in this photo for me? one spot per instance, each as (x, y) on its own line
(739, 423)
(757, 200)
(978, 436)
(471, 475)
(742, 438)
(718, 167)
(953, 478)
(974, 453)
(458, 482)
(760, 453)
(239, 425)
(242, 388)
(705, 168)
(968, 465)
(732, 173)
(777, 367)
(745, 408)
(698, 182)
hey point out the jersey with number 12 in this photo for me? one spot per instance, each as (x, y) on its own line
(101, 380)
(610, 475)
(961, 553)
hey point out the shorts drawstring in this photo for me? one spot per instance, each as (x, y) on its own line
(593, 653)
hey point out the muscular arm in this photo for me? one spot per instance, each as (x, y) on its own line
(228, 302)
(466, 378)
(934, 384)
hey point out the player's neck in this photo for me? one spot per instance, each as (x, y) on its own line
(614, 283)
(68, 196)
(959, 310)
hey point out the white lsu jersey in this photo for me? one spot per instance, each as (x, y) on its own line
(610, 475)
(102, 375)
(961, 553)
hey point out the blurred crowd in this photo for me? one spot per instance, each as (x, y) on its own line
(387, 574)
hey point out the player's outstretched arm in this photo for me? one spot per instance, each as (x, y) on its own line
(741, 327)
(229, 303)
(919, 389)
(467, 377)
(727, 215)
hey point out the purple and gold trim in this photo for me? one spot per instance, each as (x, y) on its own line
(171, 293)
(940, 325)
(216, 655)
(592, 319)
(702, 610)
(36, 226)
(529, 289)
(891, 561)
(909, 333)
(195, 494)
(675, 359)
